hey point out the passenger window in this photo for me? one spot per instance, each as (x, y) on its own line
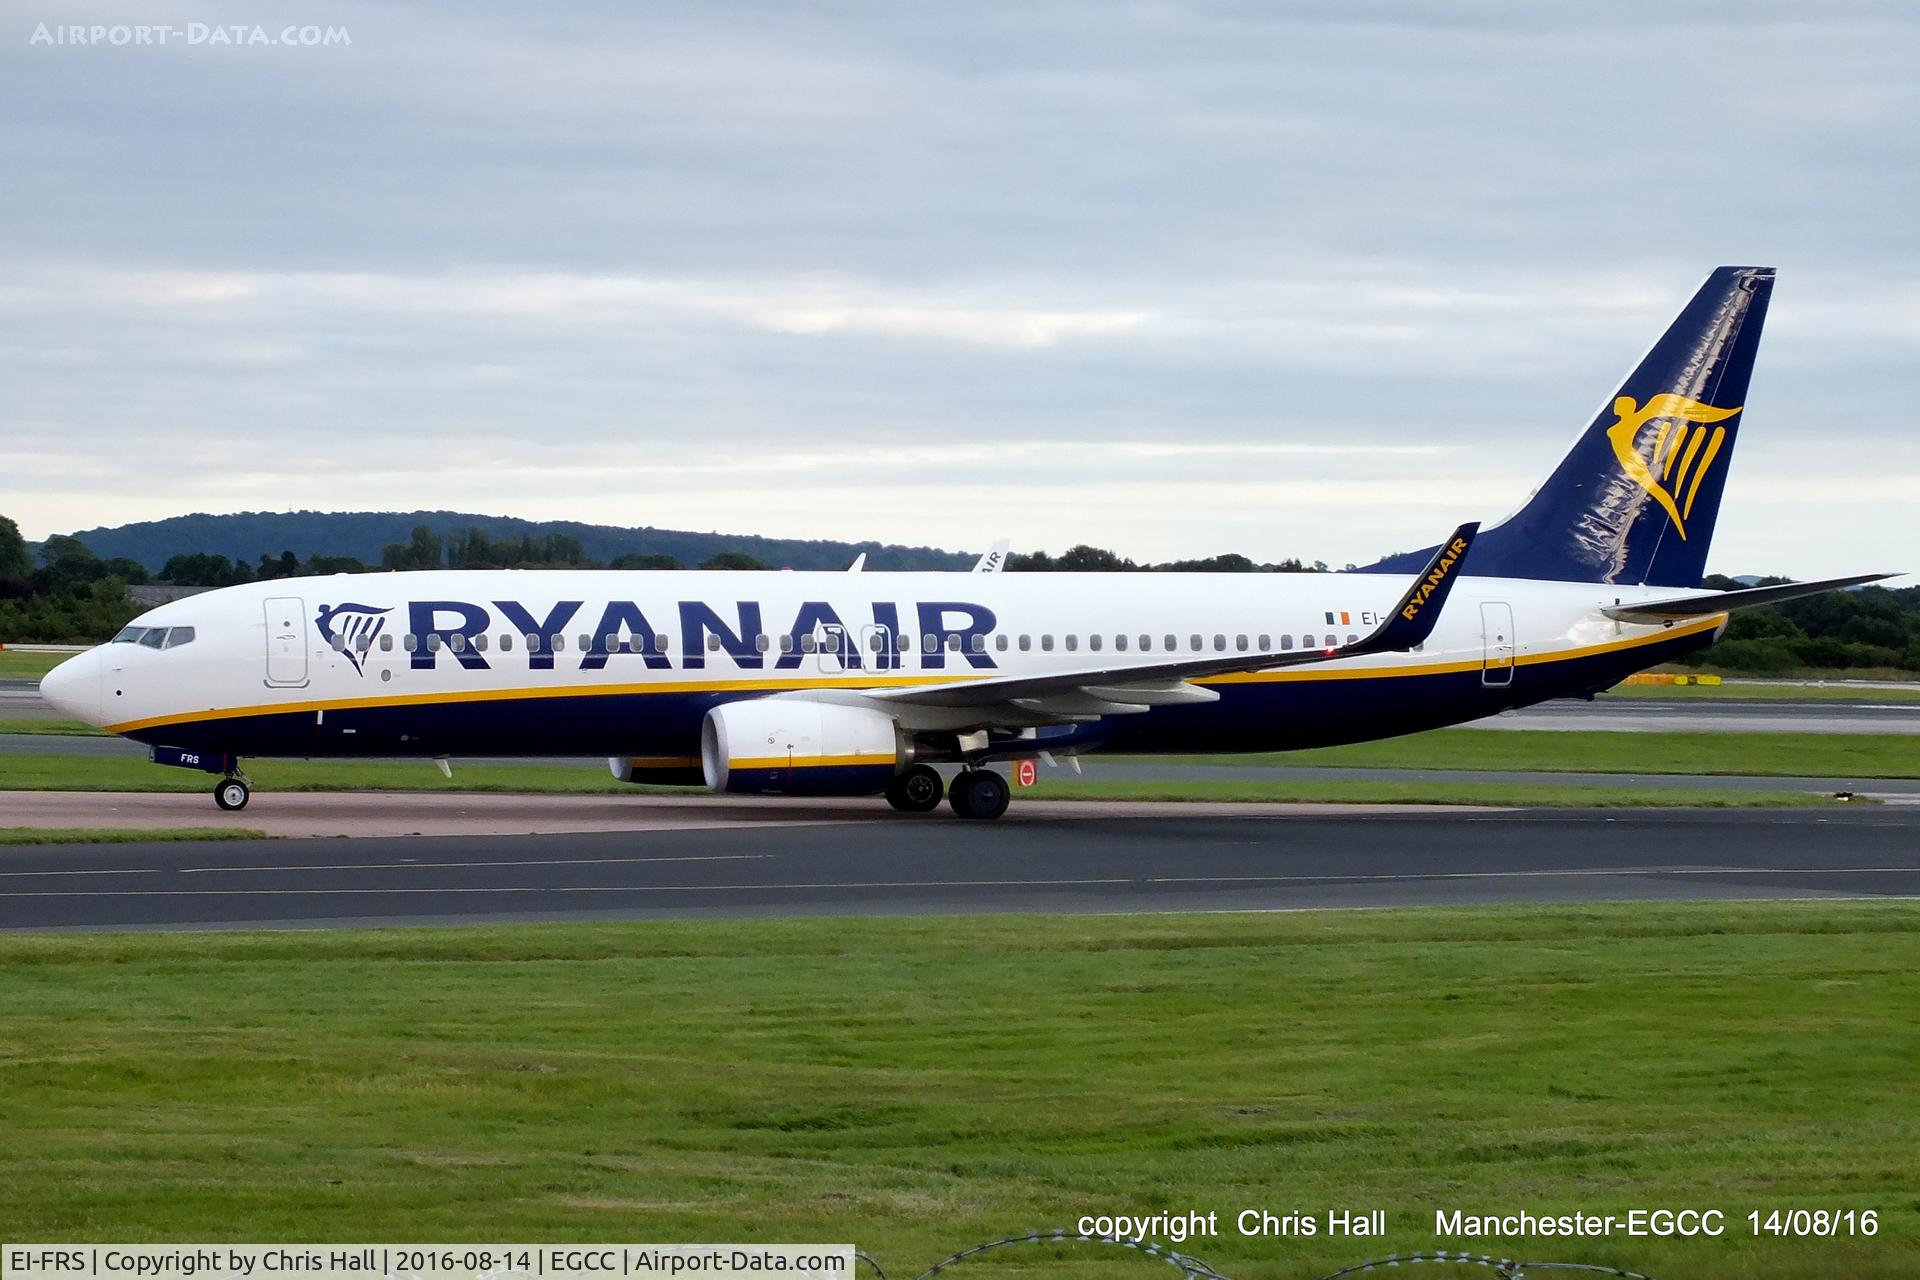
(410, 642)
(533, 641)
(1093, 642)
(586, 643)
(434, 642)
(1073, 642)
(664, 641)
(978, 643)
(457, 642)
(338, 644)
(614, 645)
(1026, 644)
(1220, 642)
(559, 644)
(1000, 642)
(1046, 643)
(1146, 644)
(1171, 646)
(953, 643)
(1286, 642)
(1333, 642)
(879, 642)
(929, 643)
(809, 643)
(1306, 642)
(506, 642)
(786, 643)
(480, 643)
(713, 643)
(1120, 644)
(1195, 642)
(1353, 639)
(763, 642)
(386, 644)
(364, 643)
(1266, 644)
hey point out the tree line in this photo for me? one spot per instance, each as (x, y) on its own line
(73, 596)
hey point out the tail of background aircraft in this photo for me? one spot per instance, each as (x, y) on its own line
(1636, 499)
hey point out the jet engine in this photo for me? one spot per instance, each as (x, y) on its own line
(797, 747)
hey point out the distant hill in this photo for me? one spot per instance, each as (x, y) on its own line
(363, 534)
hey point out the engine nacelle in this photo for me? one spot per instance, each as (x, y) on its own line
(656, 771)
(796, 747)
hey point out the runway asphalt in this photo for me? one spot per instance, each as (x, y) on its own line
(1173, 860)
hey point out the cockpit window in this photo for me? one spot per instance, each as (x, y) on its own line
(179, 636)
(156, 638)
(129, 635)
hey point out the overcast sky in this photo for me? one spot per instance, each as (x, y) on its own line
(1314, 279)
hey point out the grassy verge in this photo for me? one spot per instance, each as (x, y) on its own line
(1762, 693)
(49, 725)
(16, 664)
(1516, 795)
(915, 1086)
(1838, 755)
(113, 835)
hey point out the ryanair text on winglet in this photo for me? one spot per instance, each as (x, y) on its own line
(1431, 583)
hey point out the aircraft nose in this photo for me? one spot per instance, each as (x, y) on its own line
(73, 687)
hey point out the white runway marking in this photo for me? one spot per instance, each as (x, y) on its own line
(410, 865)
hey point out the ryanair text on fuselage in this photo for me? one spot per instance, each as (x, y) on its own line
(955, 628)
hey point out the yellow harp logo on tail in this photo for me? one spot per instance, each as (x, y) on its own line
(1682, 450)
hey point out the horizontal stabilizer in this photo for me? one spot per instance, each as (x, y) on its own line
(1727, 601)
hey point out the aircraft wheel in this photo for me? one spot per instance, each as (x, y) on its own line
(979, 793)
(232, 794)
(917, 790)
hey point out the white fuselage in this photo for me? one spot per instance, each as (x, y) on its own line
(440, 662)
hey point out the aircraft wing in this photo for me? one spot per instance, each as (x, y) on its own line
(1727, 601)
(1119, 689)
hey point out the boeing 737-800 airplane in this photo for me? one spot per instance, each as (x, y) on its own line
(856, 683)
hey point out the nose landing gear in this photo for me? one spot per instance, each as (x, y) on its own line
(232, 792)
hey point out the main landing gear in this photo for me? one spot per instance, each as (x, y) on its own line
(979, 793)
(232, 792)
(917, 790)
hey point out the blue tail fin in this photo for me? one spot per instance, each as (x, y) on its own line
(1637, 498)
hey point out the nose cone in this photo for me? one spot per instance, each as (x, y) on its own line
(73, 687)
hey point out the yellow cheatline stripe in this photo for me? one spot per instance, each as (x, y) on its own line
(894, 682)
(810, 762)
(1475, 664)
(1706, 464)
(750, 685)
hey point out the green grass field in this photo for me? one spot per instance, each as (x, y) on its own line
(16, 664)
(96, 773)
(50, 726)
(117, 835)
(1743, 692)
(917, 1085)
(1837, 755)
